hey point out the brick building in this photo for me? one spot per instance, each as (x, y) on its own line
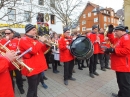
(94, 14)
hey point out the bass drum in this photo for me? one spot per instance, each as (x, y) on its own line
(81, 48)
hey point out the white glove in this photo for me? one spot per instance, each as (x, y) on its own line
(68, 47)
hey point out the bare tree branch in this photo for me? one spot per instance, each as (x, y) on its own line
(64, 9)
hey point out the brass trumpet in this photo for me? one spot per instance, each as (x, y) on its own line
(17, 63)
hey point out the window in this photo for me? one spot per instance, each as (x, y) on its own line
(105, 19)
(83, 28)
(112, 14)
(94, 13)
(109, 20)
(95, 20)
(83, 22)
(113, 20)
(40, 17)
(84, 15)
(89, 14)
(41, 2)
(52, 19)
(52, 3)
(11, 14)
(105, 25)
(27, 16)
(104, 11)
(28, 1)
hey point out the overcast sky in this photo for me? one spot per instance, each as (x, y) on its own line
(115, 4)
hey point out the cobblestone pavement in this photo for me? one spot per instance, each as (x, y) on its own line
(84, 86)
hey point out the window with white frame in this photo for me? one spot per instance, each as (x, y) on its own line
(41, 2)
(28, 1)
(83, 22)
(95, 20)
(83, 28)
(95, 13)
(11, 14)
(105, 19)
(111, 20)
(112, 14)
(84, 15)
(89, 14)
(104, 11)
(27, 16)
(105, 25)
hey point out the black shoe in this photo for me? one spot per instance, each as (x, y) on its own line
(84, 66)
(21, 90)
(73, 79)
(49, 67)
(80, 68)
(91, 75)
(59, 65)
(45, 78)
(66, 82)
(107, 67)
(114, 95)
(103, 69)
(56, 71)
(95, 73)
(23, 79)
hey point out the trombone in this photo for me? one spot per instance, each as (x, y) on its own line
(17, 63)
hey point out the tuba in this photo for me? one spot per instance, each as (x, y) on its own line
(17, 63)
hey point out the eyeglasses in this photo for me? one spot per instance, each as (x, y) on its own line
(7, 33)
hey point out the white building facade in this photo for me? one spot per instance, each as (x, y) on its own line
(26, 11)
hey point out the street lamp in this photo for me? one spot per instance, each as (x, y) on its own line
(98, 9)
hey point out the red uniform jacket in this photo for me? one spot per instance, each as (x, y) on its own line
(65, 54)
(11, 46)
(34, 59)
(101, 36)
(120, 60)
(93, 38)
(6, 88)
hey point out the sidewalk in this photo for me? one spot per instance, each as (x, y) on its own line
(84, 86)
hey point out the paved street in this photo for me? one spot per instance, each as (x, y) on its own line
(84, 86)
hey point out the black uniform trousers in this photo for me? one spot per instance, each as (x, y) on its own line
(123, 80)
(68, 68)
(106, 58)
(101, 59)
(33, 82)
(93, 63)
(18, 77)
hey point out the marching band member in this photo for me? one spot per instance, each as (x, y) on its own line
(107, 56)
(120, 58)
(55, 54)
(34, 59)
(13, 45)
(66, 56)
(6, 88)
(93, 59)
(101, 53)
